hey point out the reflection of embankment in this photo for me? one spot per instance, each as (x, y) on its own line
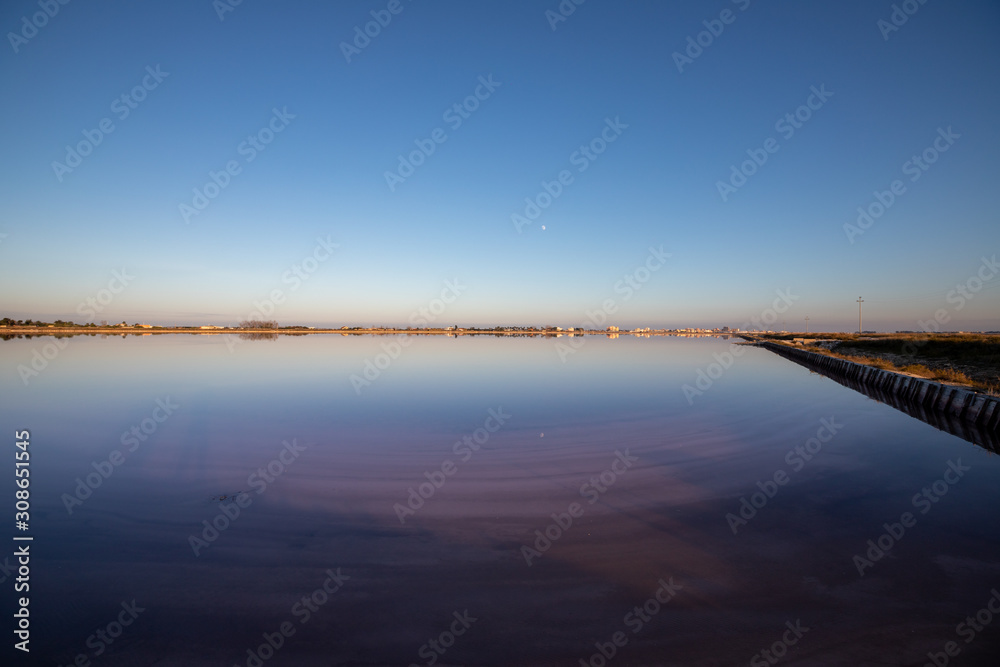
(968, 414)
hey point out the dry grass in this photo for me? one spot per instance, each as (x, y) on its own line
(942, 374)
(877, 362)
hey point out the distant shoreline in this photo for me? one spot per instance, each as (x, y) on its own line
(6, 331)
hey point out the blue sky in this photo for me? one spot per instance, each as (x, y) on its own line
(553, 91)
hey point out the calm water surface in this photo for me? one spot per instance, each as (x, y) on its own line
(482, 502)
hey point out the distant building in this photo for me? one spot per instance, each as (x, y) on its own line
(613, 329)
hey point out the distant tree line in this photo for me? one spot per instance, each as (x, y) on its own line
(259, 324)
(10, 322)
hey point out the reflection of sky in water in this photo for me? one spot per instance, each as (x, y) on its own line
(333, 506)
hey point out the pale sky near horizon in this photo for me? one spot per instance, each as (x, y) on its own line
(624, 131)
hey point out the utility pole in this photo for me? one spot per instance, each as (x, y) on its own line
(807, 324)
(860, 301)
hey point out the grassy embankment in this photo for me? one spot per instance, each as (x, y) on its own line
(967, 359)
